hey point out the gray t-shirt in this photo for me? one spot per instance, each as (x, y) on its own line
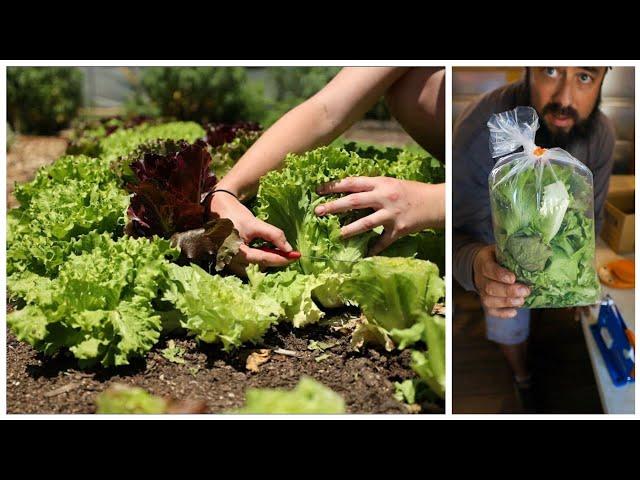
(472, 163)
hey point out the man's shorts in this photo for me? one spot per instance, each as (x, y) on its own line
(509, 331)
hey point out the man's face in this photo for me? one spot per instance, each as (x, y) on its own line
(565, 97)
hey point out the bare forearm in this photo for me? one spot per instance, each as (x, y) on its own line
(301, 129)
(315, 122)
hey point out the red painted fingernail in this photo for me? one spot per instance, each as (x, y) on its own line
(293, 255)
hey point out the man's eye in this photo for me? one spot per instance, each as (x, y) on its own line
(551, 72)
(584, 78)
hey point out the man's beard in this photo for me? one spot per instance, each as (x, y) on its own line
(581, 129)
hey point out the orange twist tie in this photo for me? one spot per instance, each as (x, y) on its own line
(539, 151)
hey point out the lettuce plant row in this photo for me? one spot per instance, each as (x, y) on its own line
(108, 251)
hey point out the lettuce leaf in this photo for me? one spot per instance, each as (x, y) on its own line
(430, 365)
(124, 142)
(287, 199)
(530, 253)
(124, 399)
(220, 309)
(217, 134)
(99, 306)
(225, 156)
(555, 201)
(74, 197)
(398, 297)
(308, 397)
(86, 134)
(169, 190)
(292, 289)
(394, 293)
(169, 181)
(403, 163)
(426, 245)
(67, 167)
(544, 230)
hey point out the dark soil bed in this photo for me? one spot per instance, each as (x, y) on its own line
(365, 379)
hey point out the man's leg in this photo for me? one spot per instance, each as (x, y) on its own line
(516, 356)
(511, 335)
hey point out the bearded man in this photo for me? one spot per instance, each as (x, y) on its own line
(567, 101)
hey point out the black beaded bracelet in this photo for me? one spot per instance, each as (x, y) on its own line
(205, 200)
(226, 191)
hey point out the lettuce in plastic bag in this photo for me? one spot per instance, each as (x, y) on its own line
(542, 207)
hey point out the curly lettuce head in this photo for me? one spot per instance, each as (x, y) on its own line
(220, 309)
(394, 293)
(125, 142)
(73, 197)
(308, 397)
(99, 305)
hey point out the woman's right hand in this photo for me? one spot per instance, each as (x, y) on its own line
(249, 227)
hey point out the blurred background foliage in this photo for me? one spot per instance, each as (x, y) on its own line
(44, 100)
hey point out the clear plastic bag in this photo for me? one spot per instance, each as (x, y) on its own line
(542, 209)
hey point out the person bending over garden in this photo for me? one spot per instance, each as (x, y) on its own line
(415, 98)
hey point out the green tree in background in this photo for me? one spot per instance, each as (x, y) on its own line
(227, 94)
(43, 100)
(200, 94)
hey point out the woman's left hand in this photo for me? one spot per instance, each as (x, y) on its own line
(401, 206)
